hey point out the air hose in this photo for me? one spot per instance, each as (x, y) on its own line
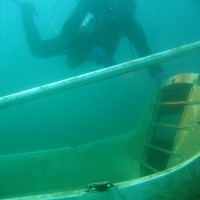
(53, 14)
(52, 17)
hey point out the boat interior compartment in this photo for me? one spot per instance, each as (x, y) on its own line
(168, 134)
(68, 168)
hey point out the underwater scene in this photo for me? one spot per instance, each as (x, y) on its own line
(129, 135)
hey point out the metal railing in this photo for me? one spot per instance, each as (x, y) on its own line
(71, 83)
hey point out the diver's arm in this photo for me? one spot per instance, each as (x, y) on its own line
(136, 36)
(39, 47)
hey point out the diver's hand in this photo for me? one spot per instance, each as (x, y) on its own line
(99, 56)
(160, 77)
(28, 9)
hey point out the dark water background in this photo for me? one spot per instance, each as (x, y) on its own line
(92, 112)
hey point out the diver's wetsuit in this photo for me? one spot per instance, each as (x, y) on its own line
(113, 19)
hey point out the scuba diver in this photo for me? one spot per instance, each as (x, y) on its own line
(91, 33)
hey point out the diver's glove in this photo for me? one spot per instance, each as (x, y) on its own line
(157, 73)
(159, 78)
(99, 56)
